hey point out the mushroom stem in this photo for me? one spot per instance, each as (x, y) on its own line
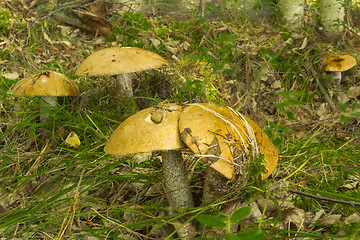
(124, 84)
(48, 100)
(176, 181)
(335, 77)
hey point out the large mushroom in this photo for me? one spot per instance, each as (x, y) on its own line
(337, 64)
(219, 135)
(226, 140)
(120, 61)
(157, 129)
(48, 85)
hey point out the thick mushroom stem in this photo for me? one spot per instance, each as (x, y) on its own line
(176, 181)
(124, 84)
(49, 100)
(335, 77)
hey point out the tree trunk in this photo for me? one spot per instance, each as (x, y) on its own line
(332, 13)
(292, 12)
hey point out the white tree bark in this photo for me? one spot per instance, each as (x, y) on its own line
(256, 10)
(332, 13)
(292, 12)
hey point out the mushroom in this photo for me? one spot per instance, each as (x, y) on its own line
(156, 129)
(219, 135)
(337, 64)
(120, 61)
(225, 139)
(48, 85)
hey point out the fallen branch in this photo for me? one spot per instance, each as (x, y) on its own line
(323, 90)
(353, 204)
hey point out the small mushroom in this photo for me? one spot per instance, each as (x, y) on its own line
(157, 129)
(48, 85)
(337, 64)
(120, 61)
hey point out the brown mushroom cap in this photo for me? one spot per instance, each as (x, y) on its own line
(119, 60)
(339, 63)
(224, 137)
(47, 83)
(152, 129)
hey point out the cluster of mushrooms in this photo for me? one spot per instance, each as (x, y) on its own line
(119, 61)
(221, 137)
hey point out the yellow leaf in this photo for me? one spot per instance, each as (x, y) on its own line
(72, 140)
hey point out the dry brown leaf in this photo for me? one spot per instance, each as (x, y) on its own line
(330, 219)
(354, 91)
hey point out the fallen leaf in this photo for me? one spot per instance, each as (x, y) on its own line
(72, 140)
(342, 97)
(330, 219)
(11, 76)
(354, 92)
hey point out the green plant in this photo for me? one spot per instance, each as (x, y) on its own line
(295, 98)
(202, 87)
(130, 26)
(8, 23)
(223, 221)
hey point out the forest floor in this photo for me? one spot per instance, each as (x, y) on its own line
(51, 189)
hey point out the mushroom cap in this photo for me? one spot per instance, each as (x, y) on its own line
(224, 137)
(266, 147)
(152, 129)
(339, 63)
(119, 60)
(47, 83)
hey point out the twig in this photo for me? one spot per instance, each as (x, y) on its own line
(313, 122)
(323, 90)
(353, 204)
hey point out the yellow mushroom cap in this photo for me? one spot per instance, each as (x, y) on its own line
(223, 137)
(339, 63)
(119, 60)
(152, 129)
(47, 83)
(266, 147)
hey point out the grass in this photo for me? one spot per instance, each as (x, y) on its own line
(50, 190)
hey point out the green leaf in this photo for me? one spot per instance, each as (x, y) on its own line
(250, 234)
(240, 214)
(161, 31)
(344, 118)
(290, 115)
(290, 102)
(211, 221)
(355, 114)
(6, 159)
(342, 106)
